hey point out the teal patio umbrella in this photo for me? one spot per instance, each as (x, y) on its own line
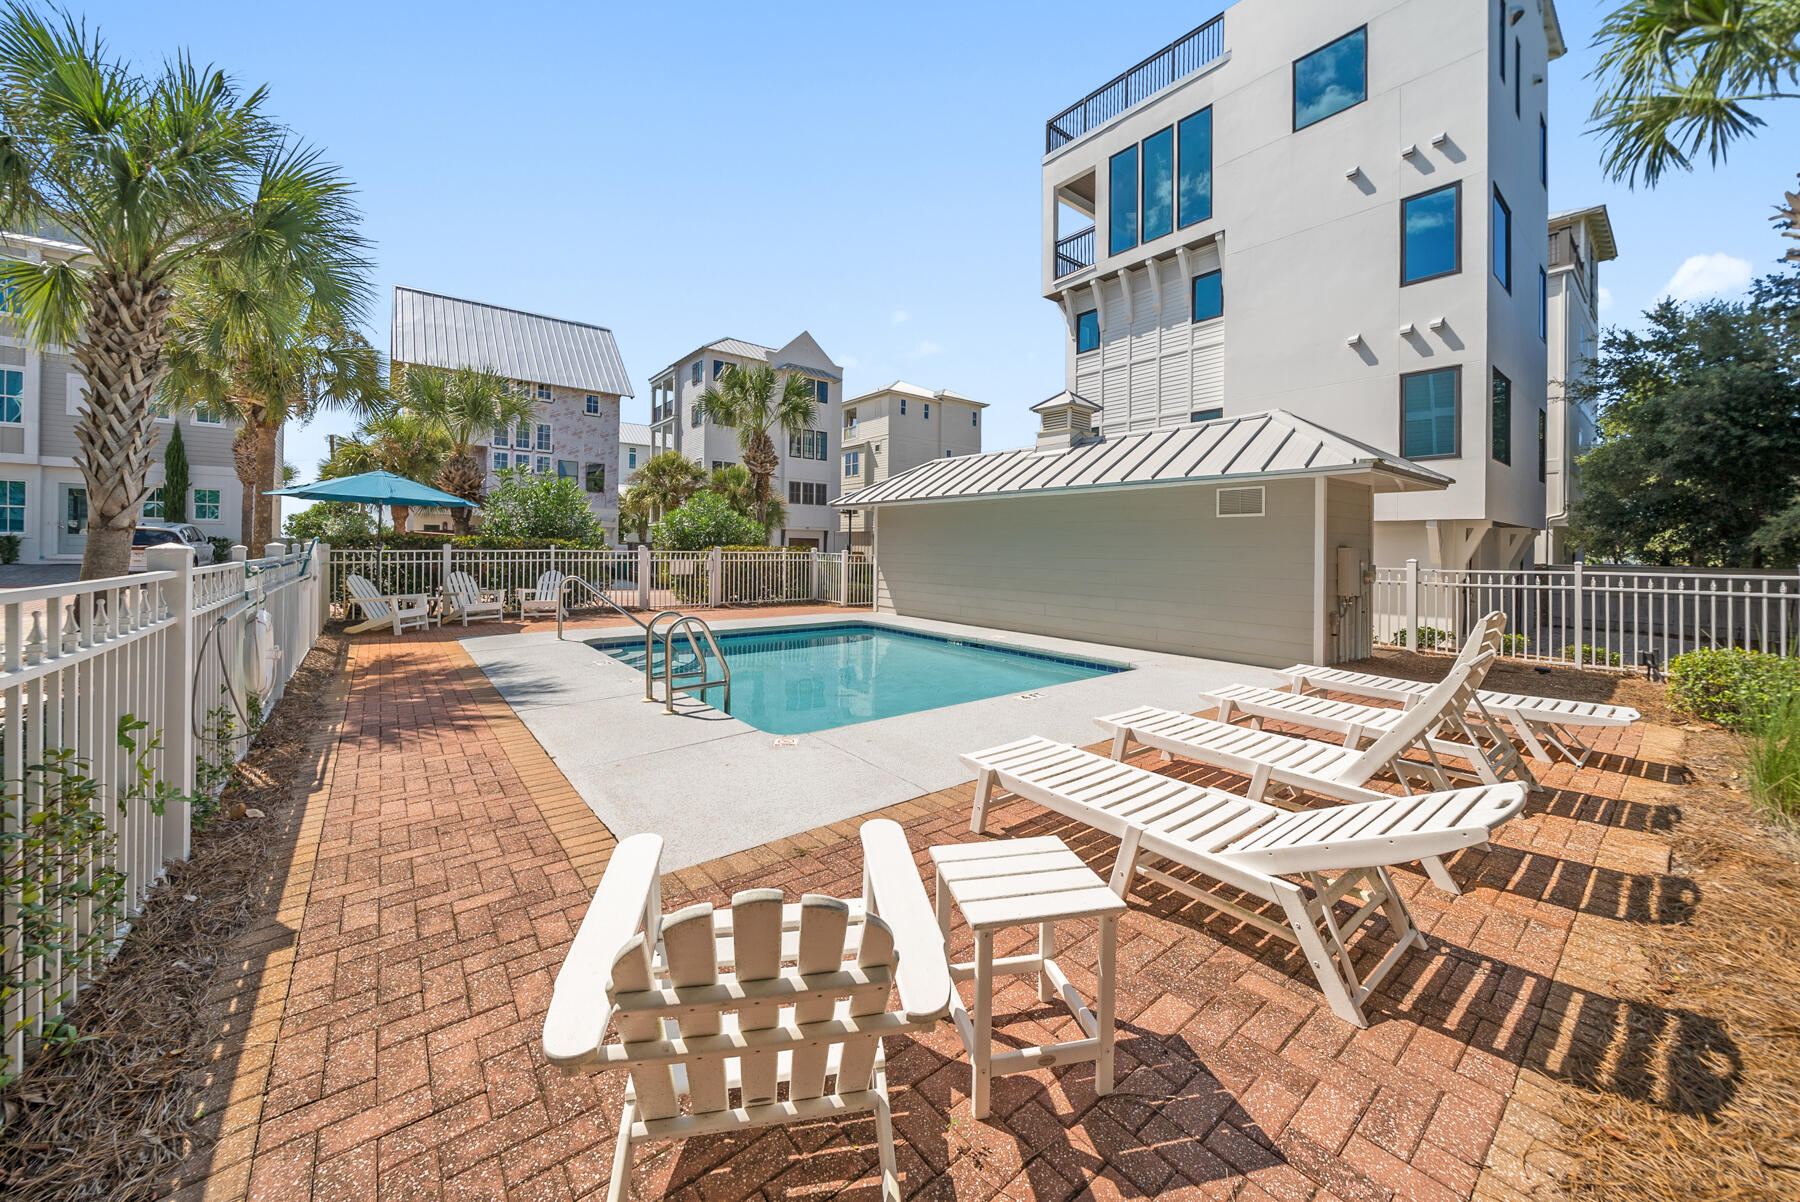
(381, 489)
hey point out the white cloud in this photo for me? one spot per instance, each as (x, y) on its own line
(901, 317)
(925, 349)
(1605, 298)
(1703, 276)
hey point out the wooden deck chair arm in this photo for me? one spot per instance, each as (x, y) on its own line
(894, 890)
(628, 900)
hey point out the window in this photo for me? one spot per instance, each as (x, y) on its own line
(1193, 195)
(499, 438)
(12, 396)
(1208, 296)
(902, 406)
(718, 368)
(1502, 418)
(852, 463)
(500, 461)
(808, 444)
(1502, 241)
(593, 405)
(207, 415)
(631, 457)
(543, 438)
(1331, 78)
(1543, 153)
(1543, 305)
(822, 391)
(543, 465)
(1122, 201)
(1428, 413)
(594, 477)
(12, 506)
(565, 469)
(1543, 448)
(206, 504)
(801, 492)
(152, 503)
(1430, 242)
(1087, 331)
(719, 463)
(1500, 35)
(697, 366)
(1159, 183)
(523, 436)
(694, 414)
(1517, 77)
(1206, 415)
(975, 418)
(927, 410)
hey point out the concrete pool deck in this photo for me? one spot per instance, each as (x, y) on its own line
(712, 785)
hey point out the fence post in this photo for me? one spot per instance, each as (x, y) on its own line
(1411, 630)
(815, 574)
(274, 550)
(715, 577)
(178, 694)
(1575, 609)
(322, 566)
(444, 569)
(644, 562)
(239, 553)
(844, 576)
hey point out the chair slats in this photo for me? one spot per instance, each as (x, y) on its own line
(756, 956)
(823, 921)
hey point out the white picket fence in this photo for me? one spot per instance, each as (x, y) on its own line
(640, 578)
(1591, 616)
(169, 647)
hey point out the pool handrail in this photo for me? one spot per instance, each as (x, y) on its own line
(685, 624)
(562, 593)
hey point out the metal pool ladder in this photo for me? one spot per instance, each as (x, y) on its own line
(686, 624)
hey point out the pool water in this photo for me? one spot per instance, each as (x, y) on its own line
(794, 681)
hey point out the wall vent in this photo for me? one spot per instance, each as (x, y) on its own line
(1241, 502)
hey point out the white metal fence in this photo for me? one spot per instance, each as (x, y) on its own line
(1593, 616)
(79, 663)
(632, 579)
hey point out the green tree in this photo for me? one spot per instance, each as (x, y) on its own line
(397, 441)
(759, 403)
(1680, 76)
(532, 505)
(467, 405)
(635, 514)
(1699, 432)
(666, 480)
(176, 477)
(734, 482)
(335, 522)
(705, 520)
(159, 178)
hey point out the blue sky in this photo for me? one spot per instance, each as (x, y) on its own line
(681, 172)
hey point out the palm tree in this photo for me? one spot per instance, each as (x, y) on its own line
(398, 441)
(158, 178)
(738, 487)
(636, 512)
(1678, 76)
(467, 405)
(757, 403)
(667, 479)
(270, 355)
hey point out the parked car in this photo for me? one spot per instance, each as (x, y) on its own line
(165, 534)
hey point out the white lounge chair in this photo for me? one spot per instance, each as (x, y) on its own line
(546, 598)
(465, 599)
(402, 611)
(1326, 769)
(1255, 847)
(748, 998)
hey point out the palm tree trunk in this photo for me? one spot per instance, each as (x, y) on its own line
(243, 458)
(119, 354)
(265, 480)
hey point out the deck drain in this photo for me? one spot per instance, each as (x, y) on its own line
(787, 741)
(1029, 696)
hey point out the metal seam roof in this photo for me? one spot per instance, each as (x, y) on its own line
(1238, 447)
(434, 330)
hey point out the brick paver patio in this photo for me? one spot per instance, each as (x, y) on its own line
(384, 1039)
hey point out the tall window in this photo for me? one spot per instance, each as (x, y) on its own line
(1502, 418)
(1430, 242)
(12, 396)
(902, 406)
(975, 417)
(1517, 76)
(1331, 79)
(718, 368)
(594, 478)
(822, 392)
(1208, 296)
(499, 439)
(1543, 305)
(1500, 35)
(1087, 331)
(927, 414)
(206, 504)
(1159, 184)
(696, 371)
(1543, 152)
(1193, 198)
(543, 438)
(852, 463)
(501, 461)
(12, 506)
(1502, 241)
(593, 405)
(1543, 448)
(543, 392)
(543, 465)
(1122, 201)
(1428, 404)
(631, 457)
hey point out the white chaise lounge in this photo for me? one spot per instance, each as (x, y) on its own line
(401, 611)
(466, 599)
(763, 994)
(1282, 856)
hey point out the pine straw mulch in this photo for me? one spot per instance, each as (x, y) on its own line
(1700, 1097)
(113, 1116)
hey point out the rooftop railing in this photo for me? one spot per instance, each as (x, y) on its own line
(1177, 60)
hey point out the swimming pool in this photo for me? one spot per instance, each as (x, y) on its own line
(796, 680)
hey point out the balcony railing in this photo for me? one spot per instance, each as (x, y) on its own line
(1177, 60)
(1075, 252)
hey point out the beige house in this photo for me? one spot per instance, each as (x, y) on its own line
(896, 428)
(1245, 538)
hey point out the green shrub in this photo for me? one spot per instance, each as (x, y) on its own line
(1591, 654)
(9, 548)
(1428, 636)
(1731, 686)
(221, 549)
(1772, 755)
(537, 506)
(337, 522)
(704, 520)
(1514, 644)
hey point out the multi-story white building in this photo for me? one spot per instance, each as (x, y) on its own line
(1580, 240)
(571, 367)
(808, 477)
(899, 427)
(43, 495)
(1336, 208)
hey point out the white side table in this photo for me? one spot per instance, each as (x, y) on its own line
(1026, 882)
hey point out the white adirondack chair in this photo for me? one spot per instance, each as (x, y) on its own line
(754, 998)
(402, 611)
(1304, 862)
(466, 599)
(546, 598)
